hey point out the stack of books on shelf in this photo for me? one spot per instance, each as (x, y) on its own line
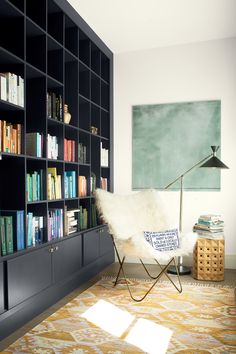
(82, 153)
(104, 156)
(54, 106)
(34, 144)
(82, 183)
(35, 186)
(54, 184)
(69, 150)
(10, 137)
(55, 224)
(71, 221)
(34, 230)
(52, 147)
(210, 226)
(12, 88)
(70, 184)
(11, 231)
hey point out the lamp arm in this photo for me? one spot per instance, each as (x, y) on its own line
(190, 169)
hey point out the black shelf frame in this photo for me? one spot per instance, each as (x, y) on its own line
(53, 49)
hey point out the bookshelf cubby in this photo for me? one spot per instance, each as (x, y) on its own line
(50, 57)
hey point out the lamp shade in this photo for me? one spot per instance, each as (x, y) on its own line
(213, 161)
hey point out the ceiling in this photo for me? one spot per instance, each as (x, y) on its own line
(128, 25)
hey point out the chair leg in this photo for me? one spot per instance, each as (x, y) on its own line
(179, 289)
(118, 274)
(121, 262)
(167, 275)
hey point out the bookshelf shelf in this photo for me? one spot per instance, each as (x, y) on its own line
(51, 167)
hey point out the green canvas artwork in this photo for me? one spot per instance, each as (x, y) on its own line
(168, 139)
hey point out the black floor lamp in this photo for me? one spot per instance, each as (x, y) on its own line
(211, 161)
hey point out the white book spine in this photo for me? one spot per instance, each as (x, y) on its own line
(14, 78)
(22, 92)
(3, 87)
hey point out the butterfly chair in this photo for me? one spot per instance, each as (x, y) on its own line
(128, 217)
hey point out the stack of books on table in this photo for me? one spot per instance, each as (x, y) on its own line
(210, 226)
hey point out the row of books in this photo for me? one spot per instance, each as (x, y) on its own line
(69, 150)
(82, 153)
(52, 152)
(12, 88)
(82, 183)
(34, 186)
(34, 147)
(10, 137)
(54, 184)
(70, 184)
(54, 106)
(35, 183)
(35, 230)
(104, 156)
(11, 231)
(210, 226)
(34, 144)
(55, 224)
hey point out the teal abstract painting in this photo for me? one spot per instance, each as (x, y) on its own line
(168, 139)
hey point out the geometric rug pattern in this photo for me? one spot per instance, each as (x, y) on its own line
(103, 319)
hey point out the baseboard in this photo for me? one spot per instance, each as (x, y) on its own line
(230, 261)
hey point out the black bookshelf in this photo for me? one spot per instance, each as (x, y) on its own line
(59, 60)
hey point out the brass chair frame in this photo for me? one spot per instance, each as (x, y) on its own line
(163, 271)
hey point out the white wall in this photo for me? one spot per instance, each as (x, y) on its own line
(194, 72)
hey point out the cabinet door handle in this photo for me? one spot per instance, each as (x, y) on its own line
(51, 250)
(55, 248)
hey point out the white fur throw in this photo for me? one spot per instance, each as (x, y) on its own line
(128, 216)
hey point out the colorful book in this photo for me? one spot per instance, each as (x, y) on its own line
(9, 234)
(34, 144)
(3, 236)
(17, 227)
(29, 229)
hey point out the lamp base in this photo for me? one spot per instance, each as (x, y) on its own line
(181, 269)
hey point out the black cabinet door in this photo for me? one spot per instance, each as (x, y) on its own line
(28, 274)
(67, 258)
(91, 246)
(106, 244)
(1, 289)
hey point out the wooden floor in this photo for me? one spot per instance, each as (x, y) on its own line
(132, 270)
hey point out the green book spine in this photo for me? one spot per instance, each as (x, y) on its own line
(3, 236)
(9, 234)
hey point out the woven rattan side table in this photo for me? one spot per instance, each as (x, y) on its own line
(208, 259)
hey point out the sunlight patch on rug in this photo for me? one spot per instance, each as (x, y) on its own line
(152, 338)
(109, 317)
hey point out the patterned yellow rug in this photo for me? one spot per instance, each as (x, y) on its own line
(103, 319)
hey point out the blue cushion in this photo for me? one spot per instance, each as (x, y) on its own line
(167, 240)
